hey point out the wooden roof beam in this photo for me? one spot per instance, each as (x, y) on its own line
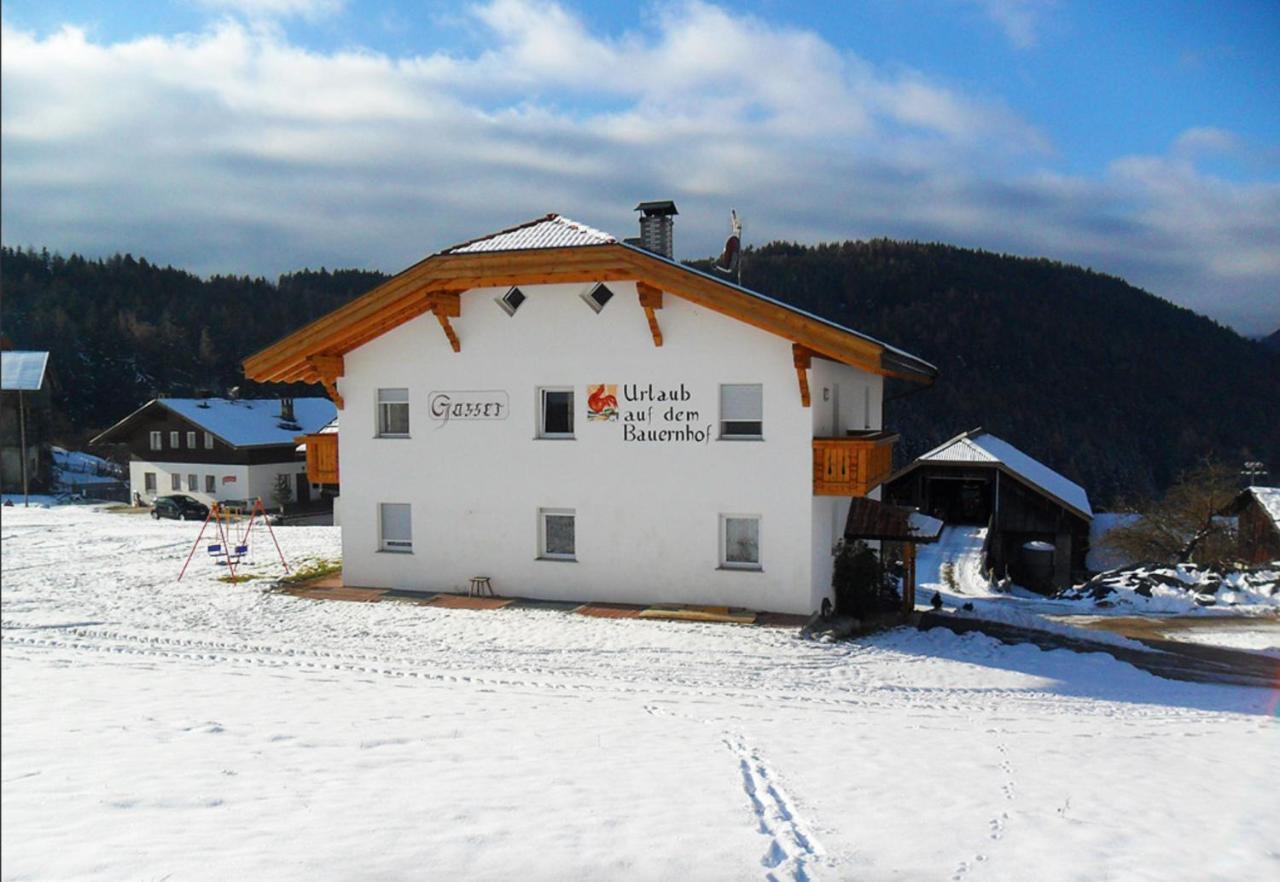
(803, 359)
(329, 368)
(446, 306)
(651, 299)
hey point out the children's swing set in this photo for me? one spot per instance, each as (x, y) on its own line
(230, 543)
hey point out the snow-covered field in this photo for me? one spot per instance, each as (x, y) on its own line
(201, 730)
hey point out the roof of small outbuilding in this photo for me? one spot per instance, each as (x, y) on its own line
(981, 447)
(22, 371)
(240, 422)
(872, 519)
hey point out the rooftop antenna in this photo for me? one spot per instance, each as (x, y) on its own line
(730, 261)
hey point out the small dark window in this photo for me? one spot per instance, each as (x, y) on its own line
(511, 300)
(598, 296)
(557, 413)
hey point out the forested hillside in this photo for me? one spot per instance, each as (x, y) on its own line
(1116, 388)
(122, 329)
(1112, 386)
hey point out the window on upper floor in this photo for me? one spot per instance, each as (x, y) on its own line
(175, 440)
(395, 526)
(598, 296)
(393, 413)
(511, 301)
(740, 542)
(157, 440)
(208, 440)
(556, 528)
(741, 411)
(191, 440)
(555, 413)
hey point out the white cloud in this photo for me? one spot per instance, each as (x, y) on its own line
(1019, 19)
(234, 150)
(276, 9)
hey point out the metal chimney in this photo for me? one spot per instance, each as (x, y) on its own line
(656, 222)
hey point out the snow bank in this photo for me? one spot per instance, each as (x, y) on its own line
(1185, 588)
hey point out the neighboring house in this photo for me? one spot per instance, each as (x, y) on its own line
(1038, 520)
(580, 418)
(1258, 524)
(218, 448)
(24, 420)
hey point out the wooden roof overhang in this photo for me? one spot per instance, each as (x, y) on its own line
(314, 352)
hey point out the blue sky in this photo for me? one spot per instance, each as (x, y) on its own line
(1141, 139)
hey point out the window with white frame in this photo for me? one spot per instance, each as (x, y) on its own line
(175, 482)
(393, 413)
(191, 440)
(395, 526)
(556, 534)
(149, 482)
(741, 411)
(740, 542)
(598, 296)
(210, 484)
(511, 301)
(175, 440)
(157, 440)
(208, 440)
(193, 483)
(555, 413)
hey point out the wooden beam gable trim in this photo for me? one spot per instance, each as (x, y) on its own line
(803, 359)
(650, 300)
(329, 368)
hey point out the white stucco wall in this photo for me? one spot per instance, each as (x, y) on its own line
(647, 513)
(250, 481)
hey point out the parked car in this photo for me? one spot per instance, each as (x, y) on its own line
(179, 507)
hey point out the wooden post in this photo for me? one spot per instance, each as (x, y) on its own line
(909, 578)
(22, 429)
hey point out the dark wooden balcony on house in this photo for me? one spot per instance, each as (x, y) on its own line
(853, 465)
(322, 457)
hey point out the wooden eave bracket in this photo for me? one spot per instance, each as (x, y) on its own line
(446, 305)
(329, 368)
(651, 299)
(803, 360)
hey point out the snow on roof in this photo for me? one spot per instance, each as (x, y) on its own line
(22, 371)
(552, 231)
(253, 422)
(983, 447)
(329, 428)
(1269, 499)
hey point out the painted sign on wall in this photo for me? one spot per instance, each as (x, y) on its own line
(445, 406)
(649, 413)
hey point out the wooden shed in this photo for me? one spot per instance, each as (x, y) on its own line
(1258, 510)
(1037, 520)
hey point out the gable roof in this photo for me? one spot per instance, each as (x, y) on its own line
(552, 231)
(979, 446)
(1269, 499)
(22, 371)
(239, 422)
(549, 250)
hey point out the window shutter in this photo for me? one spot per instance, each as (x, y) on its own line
(396, 523)
(742, 402)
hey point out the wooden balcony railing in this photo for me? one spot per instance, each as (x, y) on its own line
(322, 458)
(852, 466)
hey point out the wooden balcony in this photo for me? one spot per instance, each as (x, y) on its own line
(322, 457)
(852, 466)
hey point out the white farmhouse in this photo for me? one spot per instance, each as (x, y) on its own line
(580, 418)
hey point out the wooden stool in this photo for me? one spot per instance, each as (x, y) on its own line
(479, 587)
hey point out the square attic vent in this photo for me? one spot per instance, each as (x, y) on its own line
(598, 296)
(511, 301)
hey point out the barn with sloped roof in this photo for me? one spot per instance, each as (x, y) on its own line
(1037, 519)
